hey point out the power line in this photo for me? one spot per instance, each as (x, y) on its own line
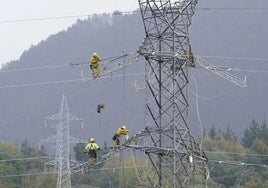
(207, 151)
(75, 80)
(112, 58)
(237, 163)
(29, 158)
(122, 12)
(40, 83)
(234, 153)
(42, 19)
(250, 70)
(63, 81)
(232, 57)
(29, 174)
(80, 79)
(233, 8)
(79, 64)
(24, 159)
(34, 68)
(61, 17)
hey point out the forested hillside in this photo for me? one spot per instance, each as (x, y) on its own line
(30, 95)
(232, 163)
(32, 87)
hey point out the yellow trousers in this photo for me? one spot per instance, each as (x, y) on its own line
(95, 70)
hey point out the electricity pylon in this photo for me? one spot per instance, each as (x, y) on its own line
(173, 153)
(171, 149)
(63, 163)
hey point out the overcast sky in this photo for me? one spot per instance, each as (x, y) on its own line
(17, 35)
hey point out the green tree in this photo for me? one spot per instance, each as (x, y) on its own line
(219, 151)
(37, 158)
(228, 134)
(39, 181)
(79, 149)
(256, 184)
(264, 132)
(259, 146)
(10, 166)
(212, 132)
(259, 149)
(34, 160)
(250, 134)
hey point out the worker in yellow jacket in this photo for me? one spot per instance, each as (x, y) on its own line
(120, 131)
(94, 65)
(91, 149)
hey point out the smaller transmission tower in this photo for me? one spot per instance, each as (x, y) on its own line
(62, 139)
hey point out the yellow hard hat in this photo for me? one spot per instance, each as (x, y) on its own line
(95, 54)
(124, 127)
(91, 140)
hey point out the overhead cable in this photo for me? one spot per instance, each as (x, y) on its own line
(63, 81)
(122, 12)
(112, 58)
(119, 56)
(59, 17)
(237, 163)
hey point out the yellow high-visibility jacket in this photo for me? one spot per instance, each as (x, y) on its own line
(91, 146)
(95, 59)
(121, 131)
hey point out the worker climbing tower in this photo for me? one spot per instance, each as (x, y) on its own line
(171, 149)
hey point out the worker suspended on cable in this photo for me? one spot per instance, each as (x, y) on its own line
(100, 106)
(120, 131)
(94, 65)
(91, 149)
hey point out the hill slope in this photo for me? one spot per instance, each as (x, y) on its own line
(225, 37)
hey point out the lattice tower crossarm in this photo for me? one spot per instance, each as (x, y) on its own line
(167, 140)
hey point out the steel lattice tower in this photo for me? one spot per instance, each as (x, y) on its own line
(62, 163)
(171, 149)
